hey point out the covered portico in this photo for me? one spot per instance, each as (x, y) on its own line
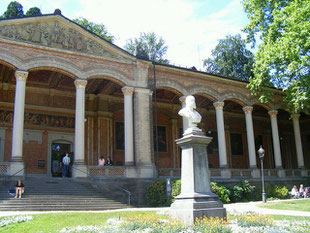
(62, 86)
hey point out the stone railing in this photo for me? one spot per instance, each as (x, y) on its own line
(240, 173)
(121, 171)
(4, 168)
(106, 171)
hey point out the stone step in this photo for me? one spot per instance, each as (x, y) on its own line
(67, 208)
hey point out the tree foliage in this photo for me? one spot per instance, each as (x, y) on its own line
(231, 58)
(98, 29)
(14, 10)
(33, 11)
(283, 56)
(148, 46)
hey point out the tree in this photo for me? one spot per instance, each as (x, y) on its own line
(148, 46)
(98, 29)
(33, 11)
(283, 56)
(231, 58)
(14, 10)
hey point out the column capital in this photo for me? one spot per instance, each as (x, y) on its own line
(21, 75)
(128, 90)
(174, 121)
(295, 116)
(247, 109)
(218, 105)
(182, 100)
(273, 113)
(80, 84)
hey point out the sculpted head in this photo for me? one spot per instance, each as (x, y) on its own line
(190, 102)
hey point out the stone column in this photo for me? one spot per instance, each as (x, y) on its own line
(174, 148)
(79, 167)
(143, 131)
(17, 163)
(184, 120)
(300, 156)
(276, 142)
(225, 173)
(128, 117)
(251, 141)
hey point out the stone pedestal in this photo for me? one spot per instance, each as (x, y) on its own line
(196, 199)
(140, 171)
(79, 170)
(17, 167)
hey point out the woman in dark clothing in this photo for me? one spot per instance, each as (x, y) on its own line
(19, 189)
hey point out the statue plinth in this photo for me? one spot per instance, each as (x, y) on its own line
(196, 199)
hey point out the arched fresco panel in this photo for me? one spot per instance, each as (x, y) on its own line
(214, 95)
(108, 73)
(11, 60)
(172, 85)
(64, 66)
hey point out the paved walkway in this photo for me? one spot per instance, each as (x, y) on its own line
(235, 208)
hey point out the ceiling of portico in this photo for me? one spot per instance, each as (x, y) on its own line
(167, 96)
(53, 79)
(103, 87)
(6, 74)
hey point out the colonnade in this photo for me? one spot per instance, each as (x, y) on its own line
(138, 136)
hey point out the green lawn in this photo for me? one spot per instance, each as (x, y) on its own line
(43, 223)
(297, 205)
(56, 222)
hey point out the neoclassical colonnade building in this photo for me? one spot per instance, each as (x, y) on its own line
(64, 89)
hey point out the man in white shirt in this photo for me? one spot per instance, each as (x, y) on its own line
(66, 163)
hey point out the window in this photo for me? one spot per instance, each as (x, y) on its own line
(162, 139)
(213, 145)
(119, 136)
(236, 143)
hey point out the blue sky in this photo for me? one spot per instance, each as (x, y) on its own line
(191, 28)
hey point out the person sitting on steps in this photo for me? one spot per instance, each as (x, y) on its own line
(19, 189)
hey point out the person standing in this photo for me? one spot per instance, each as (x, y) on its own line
(66, 163)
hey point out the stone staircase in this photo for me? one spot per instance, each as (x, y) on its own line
(48, 194)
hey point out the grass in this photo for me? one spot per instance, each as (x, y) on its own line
(44, 223)
(55, 222)
(297, 205)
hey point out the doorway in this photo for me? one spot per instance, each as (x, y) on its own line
(59, 150)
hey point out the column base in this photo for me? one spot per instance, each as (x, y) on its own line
(143, 171)
(281, 173)
(17, 167)
(188, 209)
(255, 173)
(304, 173)
(225, 173)
(129, 163)
(79, 170)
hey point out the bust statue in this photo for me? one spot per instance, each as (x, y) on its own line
(193, 117)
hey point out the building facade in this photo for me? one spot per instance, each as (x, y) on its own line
(64, 89)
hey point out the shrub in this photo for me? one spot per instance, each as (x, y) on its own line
(244, 192)
(280, 192)
(175, 189)
(222, 192)
(156, 194)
